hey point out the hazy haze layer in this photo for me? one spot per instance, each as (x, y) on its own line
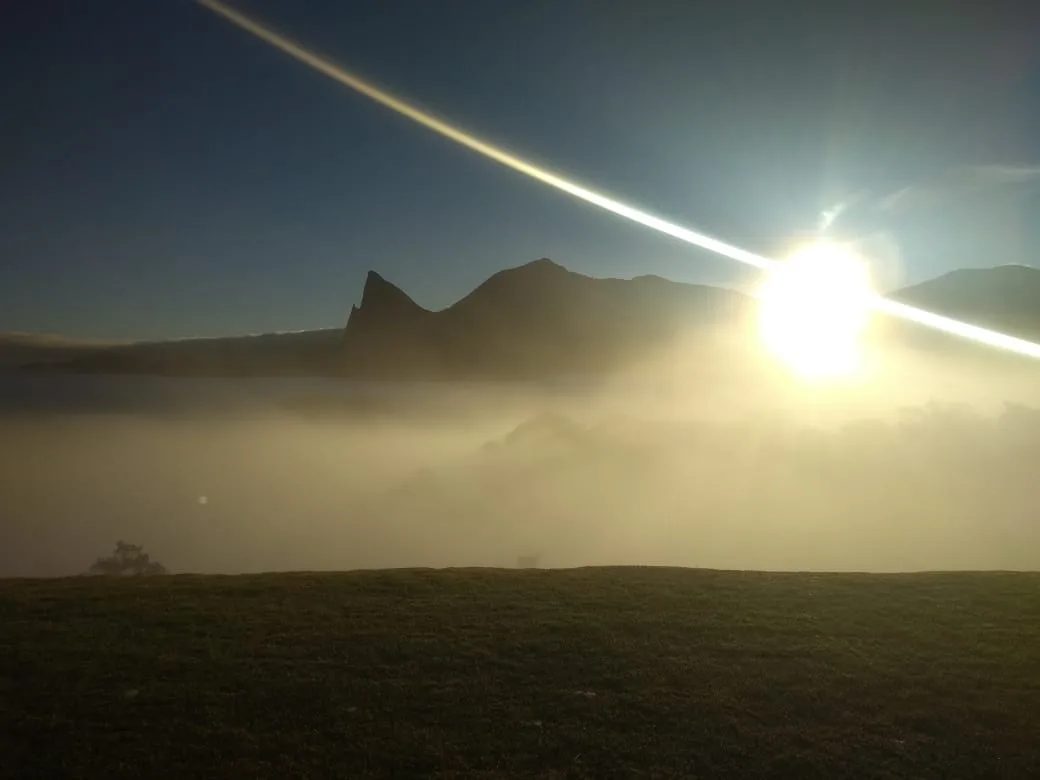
(254, 475)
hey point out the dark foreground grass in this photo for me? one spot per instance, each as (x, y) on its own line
(486, 673)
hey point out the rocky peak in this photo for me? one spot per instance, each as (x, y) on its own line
(383, 301)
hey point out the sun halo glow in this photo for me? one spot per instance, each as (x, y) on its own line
(813, 311)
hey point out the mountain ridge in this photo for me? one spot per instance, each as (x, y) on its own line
(528, 321)
(1005, 298)
(535, 320)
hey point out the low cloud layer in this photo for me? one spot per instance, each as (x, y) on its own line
(611, 478)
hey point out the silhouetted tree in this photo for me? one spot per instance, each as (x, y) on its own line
(129, 560)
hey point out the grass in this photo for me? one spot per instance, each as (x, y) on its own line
(600, 672)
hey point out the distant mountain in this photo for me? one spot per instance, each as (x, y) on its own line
(269, 354)
(1004, 298)
(17, 349)
(534, 321)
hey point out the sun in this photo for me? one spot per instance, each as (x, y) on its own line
(813, 311)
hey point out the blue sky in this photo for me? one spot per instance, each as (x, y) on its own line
(165, 174)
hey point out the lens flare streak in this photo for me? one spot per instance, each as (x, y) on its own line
(482, 147)
(337, 73)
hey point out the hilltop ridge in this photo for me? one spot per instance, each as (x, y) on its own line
(534, 321)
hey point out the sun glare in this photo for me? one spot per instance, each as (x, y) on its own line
(813, 310)
(826, 356)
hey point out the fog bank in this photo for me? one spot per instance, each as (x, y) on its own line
(300, 477)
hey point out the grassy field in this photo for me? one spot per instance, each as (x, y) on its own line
(493, 673)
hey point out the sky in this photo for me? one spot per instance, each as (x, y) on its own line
(164, 174)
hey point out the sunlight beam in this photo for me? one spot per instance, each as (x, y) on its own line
(903, 311)
(482, 147)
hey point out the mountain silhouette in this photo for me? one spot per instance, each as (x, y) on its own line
(17, 349)
(1005, 298)
(536, 321)
(268, 354)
